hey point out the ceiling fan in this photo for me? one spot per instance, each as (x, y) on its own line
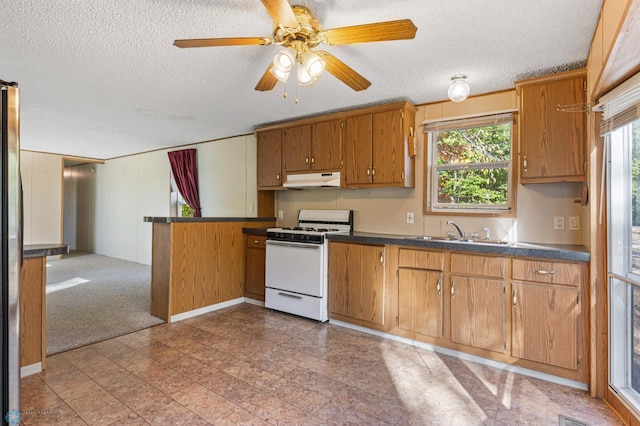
(298, 32)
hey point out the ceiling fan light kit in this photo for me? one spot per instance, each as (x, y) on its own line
(298, 31)
(459, 89)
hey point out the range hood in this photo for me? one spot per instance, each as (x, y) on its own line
(313, 180)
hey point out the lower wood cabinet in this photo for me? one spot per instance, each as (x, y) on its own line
(545, 324)
(478, 293)
(420, 293)
(254, 268)
(356, 283)
(478, 313)
(549, 324)
(522, 311)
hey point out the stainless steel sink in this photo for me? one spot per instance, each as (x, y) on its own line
(432, 238)
(458, 240)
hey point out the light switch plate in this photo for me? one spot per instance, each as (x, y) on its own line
(574, 223)
(409, 217)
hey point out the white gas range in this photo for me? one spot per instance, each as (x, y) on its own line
(296, 277)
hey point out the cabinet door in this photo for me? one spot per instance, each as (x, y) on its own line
(478, 312)
(269, 159)
(420, 301)
(356, 281)
(388, 147)
(255, 266)
(296, 143)
(366, 291)
(326, 145)
(553, 142)
(358, 153)
(545, 324)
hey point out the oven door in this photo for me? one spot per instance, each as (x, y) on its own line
(295, 267)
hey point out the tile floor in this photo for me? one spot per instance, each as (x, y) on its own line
(248, 365)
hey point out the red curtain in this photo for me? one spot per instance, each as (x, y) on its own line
(184, 167)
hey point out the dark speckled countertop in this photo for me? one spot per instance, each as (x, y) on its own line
(255, 231)
(43, 250)
(168, 219)
(545, 251)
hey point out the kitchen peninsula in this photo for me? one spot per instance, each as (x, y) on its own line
(33, 280)
(197, 264)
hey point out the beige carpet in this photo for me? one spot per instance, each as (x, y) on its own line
(91, 298)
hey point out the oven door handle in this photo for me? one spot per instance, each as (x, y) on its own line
(301, 245)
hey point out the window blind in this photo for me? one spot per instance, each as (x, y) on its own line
(620, 106)
(468, 122)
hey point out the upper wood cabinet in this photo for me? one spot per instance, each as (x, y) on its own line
(553, 117)
(370, 146)
(313, 147)
(376, 148)
(269, 148)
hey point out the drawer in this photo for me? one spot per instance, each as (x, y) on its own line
(482, 266)
(257, 241)
(421, 259)
(563, 273)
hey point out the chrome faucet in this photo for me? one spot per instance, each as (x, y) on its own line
(452, 223)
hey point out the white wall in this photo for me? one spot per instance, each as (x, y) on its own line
(114, 197)
(42, 197)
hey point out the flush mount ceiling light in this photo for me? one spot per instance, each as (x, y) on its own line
(459, 89)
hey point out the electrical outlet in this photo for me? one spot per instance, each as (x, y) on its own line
(409, 217)
(558, 223)
(250, 208)
(574, 223)
(280, 214)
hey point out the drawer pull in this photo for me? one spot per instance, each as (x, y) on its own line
(293, 296)
(515, 298)
(543, 272)
(438, 286)
(255, 241)
(453, 289)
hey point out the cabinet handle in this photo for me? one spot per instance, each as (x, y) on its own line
(374, 172)
(525, 164)
(453, 289)
(438, 287)
(515, 298)
(382, 258)
(255, 241)
(368, 171)
(543, 272)
(313, 161)
(306, 160)
(278, 176)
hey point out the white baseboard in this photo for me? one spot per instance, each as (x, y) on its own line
(467, 357)
(28, 370)
(206, 309)
(254, 301)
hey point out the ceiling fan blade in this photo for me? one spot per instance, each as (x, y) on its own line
(268, 81)
(344, 72)
(281, 12)
(380, 31)
(233, 41)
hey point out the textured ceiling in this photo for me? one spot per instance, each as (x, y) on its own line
(101, 78)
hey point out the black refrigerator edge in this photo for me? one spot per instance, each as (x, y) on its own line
(10, 252)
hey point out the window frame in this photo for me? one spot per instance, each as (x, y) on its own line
(431, 129)
(622, 280)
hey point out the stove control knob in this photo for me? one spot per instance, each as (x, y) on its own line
(292, 236)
